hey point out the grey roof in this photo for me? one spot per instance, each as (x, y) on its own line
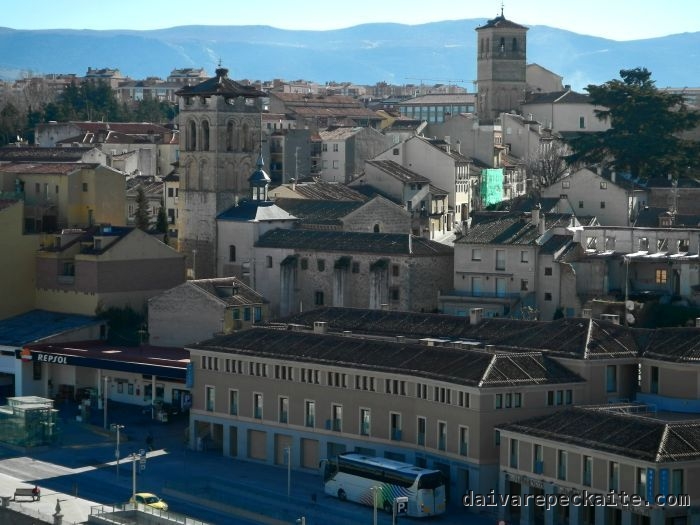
(483, 368)
(324, 190)
(495, 227)
(86, 239)
(439, 98)
(670, 344)
(623, 434)
(555, 243)
(220, 85)
(353, 242)
(502, 23)
(648, 217)
(318, 211)
(37, 154)
(255, 211)
(38, 324)
(398, 171)
(574, 338)
(558, 97)
(230, 290)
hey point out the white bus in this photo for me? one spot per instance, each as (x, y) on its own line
(352, 477)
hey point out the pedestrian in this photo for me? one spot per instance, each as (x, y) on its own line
(36, 493)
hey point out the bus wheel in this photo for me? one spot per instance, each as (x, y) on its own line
(341, 495)
(387, 508)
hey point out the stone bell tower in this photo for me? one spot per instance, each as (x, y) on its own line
(220, 137)
(501, 61)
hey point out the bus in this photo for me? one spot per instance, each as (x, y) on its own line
(353, 477)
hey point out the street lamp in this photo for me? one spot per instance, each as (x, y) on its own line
(117, 428)
(288, 454)
(374, 490)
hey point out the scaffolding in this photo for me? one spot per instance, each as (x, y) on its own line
(28, 421)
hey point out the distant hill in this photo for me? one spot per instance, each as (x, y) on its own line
(364, 54)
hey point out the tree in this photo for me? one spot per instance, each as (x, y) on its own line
(644, 137)
(142, 217)
(547, 166)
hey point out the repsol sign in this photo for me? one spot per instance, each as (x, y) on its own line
(51, 358)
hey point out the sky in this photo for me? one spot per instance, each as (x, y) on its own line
(614, 19)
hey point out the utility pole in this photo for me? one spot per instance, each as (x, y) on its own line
(104, 395)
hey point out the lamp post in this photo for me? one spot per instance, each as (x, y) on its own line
(288, 454)
(117, 428)
(374, 490)
(104, 396)
(627, 281)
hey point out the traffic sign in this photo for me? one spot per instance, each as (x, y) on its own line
(401, 505)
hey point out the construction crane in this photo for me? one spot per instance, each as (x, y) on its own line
(449, 81)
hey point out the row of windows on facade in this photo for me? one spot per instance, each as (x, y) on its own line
(501, 286)
(304, 263)
(586, 472)
(335, 423)
(434, 114)
(662, 244)
(237, 138)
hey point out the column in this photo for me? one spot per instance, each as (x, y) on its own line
(527, 512)
(503, 512)
(550, 513)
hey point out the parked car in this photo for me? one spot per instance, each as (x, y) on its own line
(151, 500)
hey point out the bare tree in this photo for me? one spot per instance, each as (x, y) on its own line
(548, 165)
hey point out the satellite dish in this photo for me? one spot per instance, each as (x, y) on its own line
(629, 305)
(630, 318)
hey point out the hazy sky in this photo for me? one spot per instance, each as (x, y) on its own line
(614, 19)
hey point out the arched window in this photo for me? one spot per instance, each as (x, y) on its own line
(191, 136)
(515, 45)
(502, 45)
(229, 136)
(376, 228)
(205, 135)
(242, 137)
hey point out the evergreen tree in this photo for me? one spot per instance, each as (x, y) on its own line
(141, 218)
(645, 137)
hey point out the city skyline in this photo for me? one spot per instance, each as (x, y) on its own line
(596, 17)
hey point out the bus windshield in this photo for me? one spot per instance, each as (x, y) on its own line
(432, 480)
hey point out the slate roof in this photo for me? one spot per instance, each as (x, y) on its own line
(255, 211)
(37, 154)
(230, 290)
(555, 243)
(353, 242)
(496, 227)
(648, 217)
(465, 367)
(397, 171)
(44, 168)
(574, 338)
(88, 236)
(623, 434)
(127, 128)
(670, 344)
(318, 211)
(324, 190)
(558, 97)
(38, 324)
(220, 85)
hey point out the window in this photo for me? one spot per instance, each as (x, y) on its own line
(613, 476)
(497, 437)
(365, 421)
(321, 265)
(517, 400)
(394, 294)
(420, 431)
(562, 458)
(661, 276)
(499, 401)
(337, 412)
(548, 270)
(580, 204)
(566, 184)
(588, 472)
(582, 122)
(611, 378)
(641, 481)
(463, 441)
(356, 267)
(336, 164)
(677, 484)
(513, 453)
(268, 261)
(395, 270)
(569, 397)
(524, 256)
(442, 435)
(304, 263)
(395, 428)
(233, 402)
(335, 147)
(643, 244)
(602, 205)
(523, 285)
(537, 464)
(550, 398)
(257, 406)
(476, 254)
(284, 410)
(654, 386)
(395, 151)
(231, 253)
(318, 298)
(85, 187)
(547, 296)
(500, 259)
(610, 243)
(210, 398)
(376, 228)
(310, 414)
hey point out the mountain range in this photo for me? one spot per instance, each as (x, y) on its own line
(438, 52)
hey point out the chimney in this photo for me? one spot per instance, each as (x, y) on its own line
(294, 183)
(475, 315)
(697, 322)
(613, 176)
(536, 214)
(320, 327)
(541, 225)
(410, 244)
(459, 147)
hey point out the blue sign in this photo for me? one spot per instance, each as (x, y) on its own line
(663, 484)
(189, 375)
(651, 473)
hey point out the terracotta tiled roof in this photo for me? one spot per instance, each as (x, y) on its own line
(37, 154)
(44, 168)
